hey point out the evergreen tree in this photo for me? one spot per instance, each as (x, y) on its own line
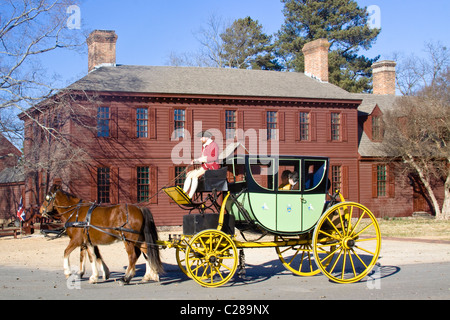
(344, 24)
(245, 45)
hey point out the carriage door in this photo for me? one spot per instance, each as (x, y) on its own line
(315, 187)
(289, 198)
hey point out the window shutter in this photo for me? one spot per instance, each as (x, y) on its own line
(240, 120)
(313, 126)
(328, 127)
(345, 182)
(264, 123)
(222, 126)
(344, 127)
(93, 173)
(281, 126)
(297, 126)
(114, 191)
(152, 123)
(240, 125)
(171, 125)
(113, 124)
(391, 178)
(374, 181)
(153, 184)
(132, 122)
(189, 124)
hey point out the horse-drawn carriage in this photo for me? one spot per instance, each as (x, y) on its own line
(311, 234)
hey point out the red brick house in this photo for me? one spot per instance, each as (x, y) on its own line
(131, 122)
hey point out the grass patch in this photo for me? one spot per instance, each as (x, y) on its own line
(423, 228)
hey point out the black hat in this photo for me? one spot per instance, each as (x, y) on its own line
(204, 134)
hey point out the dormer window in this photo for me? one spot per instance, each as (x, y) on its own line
(376, 128)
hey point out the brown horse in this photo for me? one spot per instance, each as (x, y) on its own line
(89, 226)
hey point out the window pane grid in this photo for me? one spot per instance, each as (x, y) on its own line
(272, 122)
(335, 126)
(180, 175)
(103, 119)
(143, 184)
(336, 178)
(103, 185)
(142, 122)
(230, 123)
(304, 126)
(179, 122)
(381, 180)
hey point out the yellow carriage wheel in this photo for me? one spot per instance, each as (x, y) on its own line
(211, 258)
(349, 232)
(299, 258)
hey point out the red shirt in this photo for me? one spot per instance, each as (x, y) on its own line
(211, 152)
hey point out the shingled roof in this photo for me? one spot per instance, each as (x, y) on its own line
(367, 147)
(208, 81)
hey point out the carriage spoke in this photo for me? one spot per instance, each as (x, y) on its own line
(334, 227)
(335, 262)
(329, 235)
(359, 258)
(343, 264)
(357, 223)
(353, 264)
(365, 250)
(365, 228)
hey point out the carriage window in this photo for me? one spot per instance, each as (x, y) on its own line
(236, 170)
(289, 168)
(263, 173)
(314, 173)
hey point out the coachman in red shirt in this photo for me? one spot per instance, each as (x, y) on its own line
(208, 161)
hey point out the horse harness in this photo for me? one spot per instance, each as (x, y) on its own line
(86, 225)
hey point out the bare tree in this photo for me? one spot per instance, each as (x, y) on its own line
(211, 46)
(415, 73)
(418, 132)
(28, 30)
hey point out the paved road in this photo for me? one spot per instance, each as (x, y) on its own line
(267, 281)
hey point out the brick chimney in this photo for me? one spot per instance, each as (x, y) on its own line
(384, 77)
(316, 59)
(102, 48)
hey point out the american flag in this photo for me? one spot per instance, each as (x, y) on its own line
(21, 211)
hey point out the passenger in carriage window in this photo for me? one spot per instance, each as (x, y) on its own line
(285, 185)
(293, 181)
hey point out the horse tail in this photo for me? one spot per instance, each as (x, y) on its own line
(151, 238)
